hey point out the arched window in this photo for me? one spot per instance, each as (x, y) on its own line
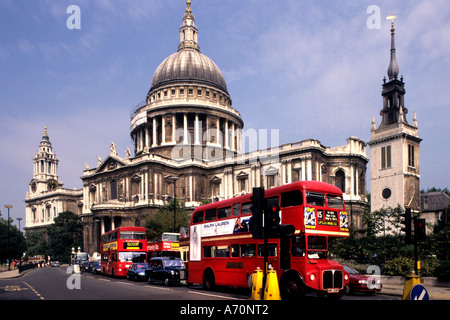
(113, 189)
(340, 180)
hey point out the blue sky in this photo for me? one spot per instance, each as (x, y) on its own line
(312, 69)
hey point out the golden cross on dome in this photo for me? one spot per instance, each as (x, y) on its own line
(391, 17)
(45, 130)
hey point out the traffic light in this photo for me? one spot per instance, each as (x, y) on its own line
(272, 216)
(258, 205)
(274, 228)
(407, 222)
(419, 229)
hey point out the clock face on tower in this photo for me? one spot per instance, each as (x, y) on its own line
(386, 193)
(51, 185)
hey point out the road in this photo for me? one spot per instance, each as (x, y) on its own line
(95, 293)
(56, 284)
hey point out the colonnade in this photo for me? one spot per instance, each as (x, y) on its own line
(187, 128)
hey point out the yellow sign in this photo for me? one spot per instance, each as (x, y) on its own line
(110, 246)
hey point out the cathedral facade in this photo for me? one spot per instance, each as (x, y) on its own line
(188, 144)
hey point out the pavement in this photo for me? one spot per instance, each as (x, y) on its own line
(437, 290)
(9, 274)
(391, 285)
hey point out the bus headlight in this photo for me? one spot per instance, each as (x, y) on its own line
(312, 277)
(346, 277)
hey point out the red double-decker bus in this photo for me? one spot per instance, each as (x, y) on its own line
(120, 248)
(168, 246)
(222, 250)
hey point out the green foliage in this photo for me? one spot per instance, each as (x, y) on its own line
(65, 233)
(442, 271)
(383, 221)
(434, 189)
(16, 240)
(375, 249)
(37, 244)
(163, 220)
(428, 267)
(398, 266)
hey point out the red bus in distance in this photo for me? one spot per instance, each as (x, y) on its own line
(223, 252)
(120, 248)
(168, 246)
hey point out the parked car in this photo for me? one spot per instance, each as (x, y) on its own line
(362, 282)
(84, 266)
(95, 267)
(137, 271)
(169, 270)
(54, 264)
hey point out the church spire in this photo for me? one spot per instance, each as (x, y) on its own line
(188, 30)
(393, 66)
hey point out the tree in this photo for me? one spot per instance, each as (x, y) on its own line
(441, 235)
(65, 233)
(16, 241)
(162, 221)
(36, 243)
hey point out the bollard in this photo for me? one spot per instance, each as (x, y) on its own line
(411, 279)
(272, 290)
(257, 279)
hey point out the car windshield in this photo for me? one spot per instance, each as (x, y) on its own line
(317, 247)
(317, 254)
(141, 265)
(350, 270)
(173, 263)
(132, 256)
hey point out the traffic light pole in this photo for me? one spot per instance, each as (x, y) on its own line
(266, 256)
(416, 258)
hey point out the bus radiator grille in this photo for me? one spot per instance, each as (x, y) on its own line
(332, 279)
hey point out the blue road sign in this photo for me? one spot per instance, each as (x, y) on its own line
(419, 292)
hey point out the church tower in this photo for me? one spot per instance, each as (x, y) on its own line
(45, 167)
(394, 146)
(47, 198)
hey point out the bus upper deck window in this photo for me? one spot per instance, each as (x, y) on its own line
(210, 214)
(224, 212)
(246, 208)
(291, 198)
(335, 202)
(198, 217)
(236, 209)
(315, 199)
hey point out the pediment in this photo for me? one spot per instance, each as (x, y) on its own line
(111, 163)
(216, 180)
(271, 171)
(242, 175)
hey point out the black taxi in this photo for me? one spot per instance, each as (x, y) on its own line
(170, 270)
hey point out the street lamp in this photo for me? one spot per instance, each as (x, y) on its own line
(174, 180)
(8, 206)
(19, 219)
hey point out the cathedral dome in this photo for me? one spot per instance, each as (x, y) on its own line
(188, 65)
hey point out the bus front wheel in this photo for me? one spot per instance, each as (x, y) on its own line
(291, 288)
(208, 279)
